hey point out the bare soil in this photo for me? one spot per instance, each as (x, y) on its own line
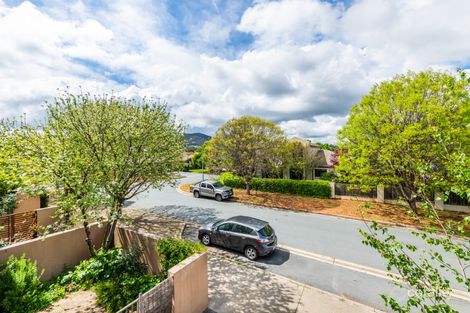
(80, 301)
(357, 209)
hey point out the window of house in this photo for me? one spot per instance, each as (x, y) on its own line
(319, 172)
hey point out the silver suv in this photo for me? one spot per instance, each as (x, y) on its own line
(213, 189)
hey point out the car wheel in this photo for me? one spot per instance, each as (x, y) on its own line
(218, 197)
(196, 194)
(206, 240)
(251, 253)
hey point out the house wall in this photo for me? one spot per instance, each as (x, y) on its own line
(56, 252)
(27, 203)
(190, 283)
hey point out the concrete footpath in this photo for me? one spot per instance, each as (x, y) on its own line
(238, 287)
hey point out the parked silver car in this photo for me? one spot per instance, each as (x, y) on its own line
(213, 189)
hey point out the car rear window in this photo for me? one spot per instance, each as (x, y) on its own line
(266, 231)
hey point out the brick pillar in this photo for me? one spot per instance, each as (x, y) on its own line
(381, 194)
(439, 200)
(332, 185)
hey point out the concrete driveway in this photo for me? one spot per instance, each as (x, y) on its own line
(239, 287)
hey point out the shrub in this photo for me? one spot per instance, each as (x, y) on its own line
(329, 176)
(116, 293)
(231, 180)
(8, 204)
(173, 251)
(20, 287)
(105, 265)
(311, 188)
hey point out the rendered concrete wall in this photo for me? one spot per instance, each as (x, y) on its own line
(56, 251)
(26, 203)
(127, 239)
(190, 283)
(46, 216)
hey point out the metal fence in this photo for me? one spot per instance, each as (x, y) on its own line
(18, 226)
(354, 191)
(455, 199)
(157, 300)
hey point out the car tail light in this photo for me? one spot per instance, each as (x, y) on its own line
(262, 240)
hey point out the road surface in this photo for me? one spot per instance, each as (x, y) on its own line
(322, 251)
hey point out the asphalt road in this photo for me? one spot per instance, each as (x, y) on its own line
(320, 235)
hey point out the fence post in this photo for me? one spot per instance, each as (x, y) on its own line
(332, 185)
(439, 200)
(11, 228)
(380, 194)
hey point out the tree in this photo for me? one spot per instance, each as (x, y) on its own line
(415, 131)
(294, 153)
(13, 168)
(246, 146)
(132, 144)
(397, 127)
(199, 156)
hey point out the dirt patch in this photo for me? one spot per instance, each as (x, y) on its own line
(80, 301)
(357, 209)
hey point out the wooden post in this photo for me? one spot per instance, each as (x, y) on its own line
(11, 227)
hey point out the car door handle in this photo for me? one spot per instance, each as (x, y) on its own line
(243, 238)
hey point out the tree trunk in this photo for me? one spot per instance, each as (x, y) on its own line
(88, 240)
(413, 205)
(407, 193)
(116, 214)
(108, 243)
(248, 186)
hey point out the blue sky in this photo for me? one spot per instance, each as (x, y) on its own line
(299, 63)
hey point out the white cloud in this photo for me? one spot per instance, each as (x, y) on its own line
(294, 22)
(310, 60)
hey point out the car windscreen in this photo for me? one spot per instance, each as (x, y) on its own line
(266, 231)
(217, 185)
(216, 223)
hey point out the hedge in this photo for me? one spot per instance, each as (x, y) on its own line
(311, 188)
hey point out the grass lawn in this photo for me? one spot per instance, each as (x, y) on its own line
(357, 209)
(197, 170)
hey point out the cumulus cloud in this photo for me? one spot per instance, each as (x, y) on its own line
(309, 61)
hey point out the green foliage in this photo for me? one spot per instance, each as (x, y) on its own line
(405, 131)
(311, 188)
(8, 204)
(174, 251)
(423, 274)
(414, 132)
(116, 293)
(246, 146)
(329, 176)
(327, 146)
(199, 157)
(21, 290)
(105, 265)
(228, 179)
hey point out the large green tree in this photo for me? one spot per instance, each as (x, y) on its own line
(397, 130)
(247, 146)
(132, 144)
(414, 132)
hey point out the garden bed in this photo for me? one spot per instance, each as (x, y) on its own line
(356, 209)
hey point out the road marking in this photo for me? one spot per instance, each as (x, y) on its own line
(459, 294)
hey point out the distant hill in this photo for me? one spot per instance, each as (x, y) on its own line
(195, 140)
